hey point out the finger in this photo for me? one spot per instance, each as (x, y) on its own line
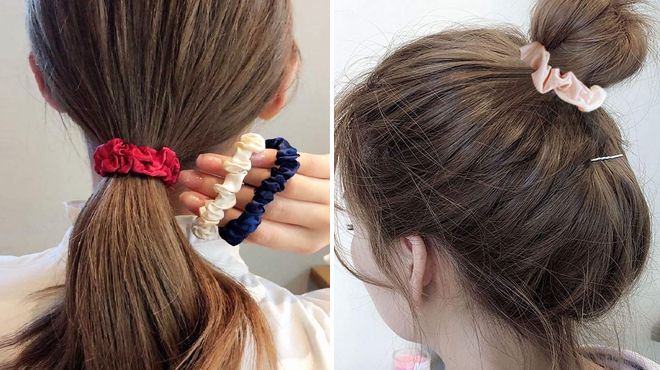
(192, 200)
(283, 237)
(289, 211)
(299, 187)
(303, 188)
(270, 234)
(310, 215)
(203, 183)
(312, 165)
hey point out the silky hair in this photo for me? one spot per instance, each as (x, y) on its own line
(448, 139)
(189, 75)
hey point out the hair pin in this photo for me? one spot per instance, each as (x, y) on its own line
(607, 158)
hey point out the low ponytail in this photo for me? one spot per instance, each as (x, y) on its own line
(137, 296)
(192, 78)
(499, 178)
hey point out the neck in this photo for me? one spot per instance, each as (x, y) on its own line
(469, 341)
(468, 344)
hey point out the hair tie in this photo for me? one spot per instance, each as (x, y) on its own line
(567, 86)
(600, 159)
(237, 168)
(239, 229)
(117, 157)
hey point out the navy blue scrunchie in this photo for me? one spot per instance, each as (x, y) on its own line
(238, 230)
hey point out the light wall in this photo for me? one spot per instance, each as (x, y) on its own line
(44, 165)
(364, 30)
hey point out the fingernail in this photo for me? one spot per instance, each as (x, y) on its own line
(257, 158)
(189, 197)
(211, 162)
(190, 179)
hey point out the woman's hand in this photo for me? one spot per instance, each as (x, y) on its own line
(297, 220)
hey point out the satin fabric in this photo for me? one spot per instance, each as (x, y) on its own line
(567, 86)
(235, 231)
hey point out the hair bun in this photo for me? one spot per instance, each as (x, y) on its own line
(602, 41)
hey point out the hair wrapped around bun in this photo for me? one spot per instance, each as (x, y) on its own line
(602, 41)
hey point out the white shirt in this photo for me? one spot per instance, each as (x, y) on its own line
(611, 358)
(300, 324)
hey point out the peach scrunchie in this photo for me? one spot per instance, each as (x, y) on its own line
(567, 87)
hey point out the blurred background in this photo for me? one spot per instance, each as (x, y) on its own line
(44, 164)
(364, 30)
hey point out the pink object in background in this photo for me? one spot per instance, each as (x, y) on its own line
(410, 359)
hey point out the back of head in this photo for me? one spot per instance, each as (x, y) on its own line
(450, 138)
(189, 75)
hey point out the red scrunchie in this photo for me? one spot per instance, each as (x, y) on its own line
(117, 157)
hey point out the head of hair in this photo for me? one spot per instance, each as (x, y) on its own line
(189, 75)
(448, 139)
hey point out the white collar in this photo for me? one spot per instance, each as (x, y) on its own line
(611, 358)
(221, 254)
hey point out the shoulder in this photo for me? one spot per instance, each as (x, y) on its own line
(21, 278)
(31, 269)
(31, 273)
(300, 324)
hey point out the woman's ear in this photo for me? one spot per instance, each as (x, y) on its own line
(276, 105)
(38, 76)
(419, 266)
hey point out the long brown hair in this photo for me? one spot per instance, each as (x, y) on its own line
(189, 75)
(448, 139)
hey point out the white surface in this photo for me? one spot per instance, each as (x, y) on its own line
(42, 166)
(364, 29)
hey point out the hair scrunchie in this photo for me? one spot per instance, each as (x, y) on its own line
(117, 157)
(236, 231)
(237, 168)
(567, 86)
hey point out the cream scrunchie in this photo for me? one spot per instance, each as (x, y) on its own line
(205, 226)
